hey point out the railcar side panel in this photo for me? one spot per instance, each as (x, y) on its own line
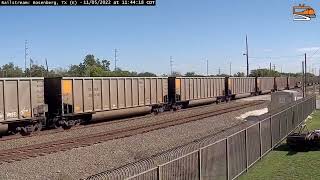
(90, 95)
(11, 100)
(265, 84)
(196, 88)
(291, 82)
(281, 83)
(77, 90)
(21, 99)
(25, 100)
(97, 99)
(241, 85)
(2, 110)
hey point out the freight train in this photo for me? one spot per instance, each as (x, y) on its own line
(29, 104)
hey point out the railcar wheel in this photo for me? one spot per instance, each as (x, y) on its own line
(38, 127)
(66, 127)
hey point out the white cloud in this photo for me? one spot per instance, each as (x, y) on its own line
(308, 49)
(267, 50)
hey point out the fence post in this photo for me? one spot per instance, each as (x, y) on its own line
(271, 132)
(228, 159)
(279, 119)
(199, 159)
(159, 173)
(303, 116)
(247, 151)
(287, 111)
(260, 136)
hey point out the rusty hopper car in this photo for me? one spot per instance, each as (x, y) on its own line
(292, 82)
(281, 83)
(74, 99)
(22, 106)
(315, 79)
(310, 80)
(185, 91)
(265, 85)
(240, 86)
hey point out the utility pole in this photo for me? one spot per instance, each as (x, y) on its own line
(171, 65)
(115, 59)
(207, 67)
(247, 54)
(219, 71)
(31, 62)
(25, 56)
(230, 69)
(305, 70)
(47, 67)
(303, 80)
(274, 67)
(270, 68)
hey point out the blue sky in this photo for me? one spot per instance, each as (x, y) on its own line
(146, 37)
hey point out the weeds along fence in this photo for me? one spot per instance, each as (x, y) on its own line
(226, 158)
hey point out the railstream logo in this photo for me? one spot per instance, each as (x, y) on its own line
(303, 13)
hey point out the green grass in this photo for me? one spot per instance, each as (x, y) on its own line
(283, 164)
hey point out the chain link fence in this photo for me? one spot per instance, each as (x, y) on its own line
(227, 158)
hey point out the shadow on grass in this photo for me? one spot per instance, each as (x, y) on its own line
(294, 150)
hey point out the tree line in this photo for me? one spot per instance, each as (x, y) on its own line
(94, 67)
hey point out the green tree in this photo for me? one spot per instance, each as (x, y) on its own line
(176, 74)
(147, 74)
(222, 75)
(90, 67)
(106, 65)
(10, 70)
(239, 74)
(36, 71)
(264, 73)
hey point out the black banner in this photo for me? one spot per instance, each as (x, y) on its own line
(78, 3)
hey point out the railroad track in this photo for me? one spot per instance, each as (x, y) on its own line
(31, 151)
(90, 125)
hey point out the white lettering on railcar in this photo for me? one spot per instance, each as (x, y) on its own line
(12, 114)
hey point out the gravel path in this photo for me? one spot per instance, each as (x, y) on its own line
(82, 162)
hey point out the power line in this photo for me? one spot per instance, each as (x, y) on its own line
(25, 55)
(115, 59)
(207, 67)
(47, 68)
(230, 69)
(171, 64)
(247, 54)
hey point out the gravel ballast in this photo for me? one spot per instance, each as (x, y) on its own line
(82, 162)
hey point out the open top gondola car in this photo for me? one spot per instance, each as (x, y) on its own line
(22, 106)
(240, 86)
(292, 82)
(281, 83)
(265, 85)
(185, 91)
(72, 100)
